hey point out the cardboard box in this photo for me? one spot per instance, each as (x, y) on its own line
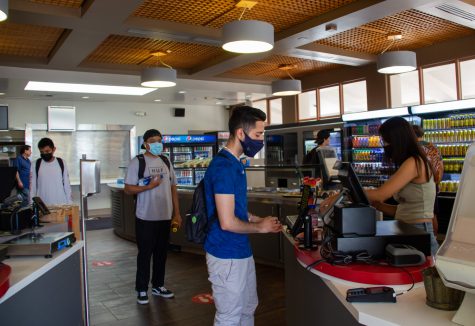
(65, 214)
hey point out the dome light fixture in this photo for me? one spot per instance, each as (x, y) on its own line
(286, 87)
(158, 76)
(248, 36)
(396, 62)
(3, 10)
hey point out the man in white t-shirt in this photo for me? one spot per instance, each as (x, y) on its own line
(50, 177)
(156, 204)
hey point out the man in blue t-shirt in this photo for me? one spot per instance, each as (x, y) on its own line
(23, 165)
(228, 251)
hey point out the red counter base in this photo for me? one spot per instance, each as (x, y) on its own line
(5, 271)
(364, 273)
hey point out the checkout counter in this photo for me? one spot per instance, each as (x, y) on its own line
(44, 291)
(267, 248)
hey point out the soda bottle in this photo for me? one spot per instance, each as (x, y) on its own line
(175, 226)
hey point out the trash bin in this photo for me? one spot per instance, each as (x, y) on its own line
(439, 296)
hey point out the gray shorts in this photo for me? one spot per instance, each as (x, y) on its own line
(233, 282)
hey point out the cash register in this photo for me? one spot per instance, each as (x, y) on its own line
(350, 222)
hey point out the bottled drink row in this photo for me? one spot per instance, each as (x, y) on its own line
(184, 177)
(373, 169)
(368, 155)
(368, 141)
(182, 157)
(203, 151)
(453, 165)
(365, 129)
(450, 136)
(182, 150)
(367, 181)
(453, 150)
(449, 186)
(275, 153)
(454, 121)
(199, 175)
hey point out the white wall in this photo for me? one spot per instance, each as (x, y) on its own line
(159, 116)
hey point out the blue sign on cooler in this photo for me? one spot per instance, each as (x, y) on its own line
(188, 139)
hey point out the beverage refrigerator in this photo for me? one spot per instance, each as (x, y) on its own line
(450, 126)
(221, 139)
(364, 147)
(190, 155)
(336, 138)
(286, 147)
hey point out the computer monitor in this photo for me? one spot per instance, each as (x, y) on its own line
(350, 181)
(327, 160)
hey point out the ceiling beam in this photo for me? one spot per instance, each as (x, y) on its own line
(345, 18)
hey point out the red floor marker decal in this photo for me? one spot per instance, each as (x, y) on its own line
(102, 263)
(204, 298)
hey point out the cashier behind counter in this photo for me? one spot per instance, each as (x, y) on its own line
(350, 221)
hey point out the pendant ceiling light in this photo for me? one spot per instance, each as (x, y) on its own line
(248, 36)
(158, 76)
(286, 87)
(3, 10)
(396, 62)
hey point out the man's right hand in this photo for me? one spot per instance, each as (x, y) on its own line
(20, 185)
(270, 224)
(155, 182)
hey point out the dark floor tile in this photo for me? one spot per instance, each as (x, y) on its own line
(113, 298)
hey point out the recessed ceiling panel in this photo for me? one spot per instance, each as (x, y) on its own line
(28, 40)
(281, 14)
(268, 68)
(418, 29)
(129, 50)
(61, 3)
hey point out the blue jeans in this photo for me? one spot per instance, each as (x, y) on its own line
(25, 195)
(428, 227)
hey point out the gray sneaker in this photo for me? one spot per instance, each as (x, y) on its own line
(162, 292)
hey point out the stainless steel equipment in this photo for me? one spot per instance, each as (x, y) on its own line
(39, 244)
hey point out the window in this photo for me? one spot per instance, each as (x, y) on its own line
(329, 98)
(440, 83)
(354, 97)
(261, 105)
(467, 78)
(275, 111)
(405, 89)
(308, 105)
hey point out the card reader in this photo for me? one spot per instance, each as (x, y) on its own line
(372, 294)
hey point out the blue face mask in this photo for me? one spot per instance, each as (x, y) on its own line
(156, 148)
(251, 146)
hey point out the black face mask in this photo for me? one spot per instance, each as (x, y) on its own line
(46, 156)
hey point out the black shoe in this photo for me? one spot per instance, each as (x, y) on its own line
(142, 297)
(162, 292)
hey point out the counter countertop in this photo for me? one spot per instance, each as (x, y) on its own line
(277, 197)
(410, 308)
(27, 269)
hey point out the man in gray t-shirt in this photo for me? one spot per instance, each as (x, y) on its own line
(156, 209)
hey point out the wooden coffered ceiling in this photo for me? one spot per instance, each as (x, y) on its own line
(111, 36)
